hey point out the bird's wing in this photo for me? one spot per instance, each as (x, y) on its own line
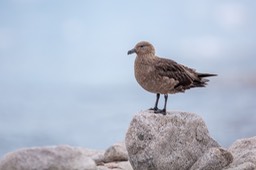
(169, 68)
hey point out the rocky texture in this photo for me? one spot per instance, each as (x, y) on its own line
(124, 165)
(66, 158)
(244, 153)
(50, 158)
(176, 141)
(213, 159)
(117, 152)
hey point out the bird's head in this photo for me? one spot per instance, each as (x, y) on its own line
(143, 48)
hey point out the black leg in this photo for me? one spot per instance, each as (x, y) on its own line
(156, 103)
(165, 103)
(163, 111)
(157, 99)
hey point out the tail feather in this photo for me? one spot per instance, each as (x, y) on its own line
(203, 81)
(201, 75)
(199, 81)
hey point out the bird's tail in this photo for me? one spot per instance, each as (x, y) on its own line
(202, 82)
(201, 75)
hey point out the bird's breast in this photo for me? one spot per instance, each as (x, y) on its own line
(145, 75)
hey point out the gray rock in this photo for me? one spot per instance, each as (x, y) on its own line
(116, 158)
(213, 159)
(116, 152)
(244, 153)
(48, 158)
(124, 165)
(101, 167)
(97, 156)
(175, 141)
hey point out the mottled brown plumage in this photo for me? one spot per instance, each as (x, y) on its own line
(163, 76)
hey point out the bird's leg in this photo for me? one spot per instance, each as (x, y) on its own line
(163, 111)
(156, 104)
(165, 103)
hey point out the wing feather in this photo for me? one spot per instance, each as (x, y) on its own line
(184, 75)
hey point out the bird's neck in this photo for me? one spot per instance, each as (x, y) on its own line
(145, 58)
(147, 55)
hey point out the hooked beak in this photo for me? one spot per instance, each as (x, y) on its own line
(131, 51)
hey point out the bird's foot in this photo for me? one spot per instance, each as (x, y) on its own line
(160, 111)
(154, 108)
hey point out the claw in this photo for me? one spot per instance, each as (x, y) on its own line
(160, 111)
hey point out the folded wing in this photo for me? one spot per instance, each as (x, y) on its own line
(186, 77)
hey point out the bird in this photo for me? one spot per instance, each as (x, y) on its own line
(163, 76)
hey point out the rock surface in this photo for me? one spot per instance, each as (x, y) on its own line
(178, 140)
(213, 159)
(124, 165)
(66, 158)
(244, 153)
(117, 152)
(48, 158)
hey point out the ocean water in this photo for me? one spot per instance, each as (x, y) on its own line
(98, 116)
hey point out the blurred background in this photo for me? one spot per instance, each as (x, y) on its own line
(65, 77)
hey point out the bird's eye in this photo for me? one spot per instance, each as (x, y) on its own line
(141, 46)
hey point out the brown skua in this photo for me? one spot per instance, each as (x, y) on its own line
(163, 76)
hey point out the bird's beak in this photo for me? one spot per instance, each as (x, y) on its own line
(131, 51)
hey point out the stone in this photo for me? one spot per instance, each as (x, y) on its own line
(123, 165)
(244, 153)
(167, 142)
(96, 155)
(67, 158)
(116, 152)
(49, 158)
(101, 167)
(213, 159)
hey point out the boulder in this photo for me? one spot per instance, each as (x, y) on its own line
(177, 140)
(213, 159)
(123, 165)
(48, 158)
(244, 153)
(116, 152)
(66, 157)
(116, 158)
(96, 155)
